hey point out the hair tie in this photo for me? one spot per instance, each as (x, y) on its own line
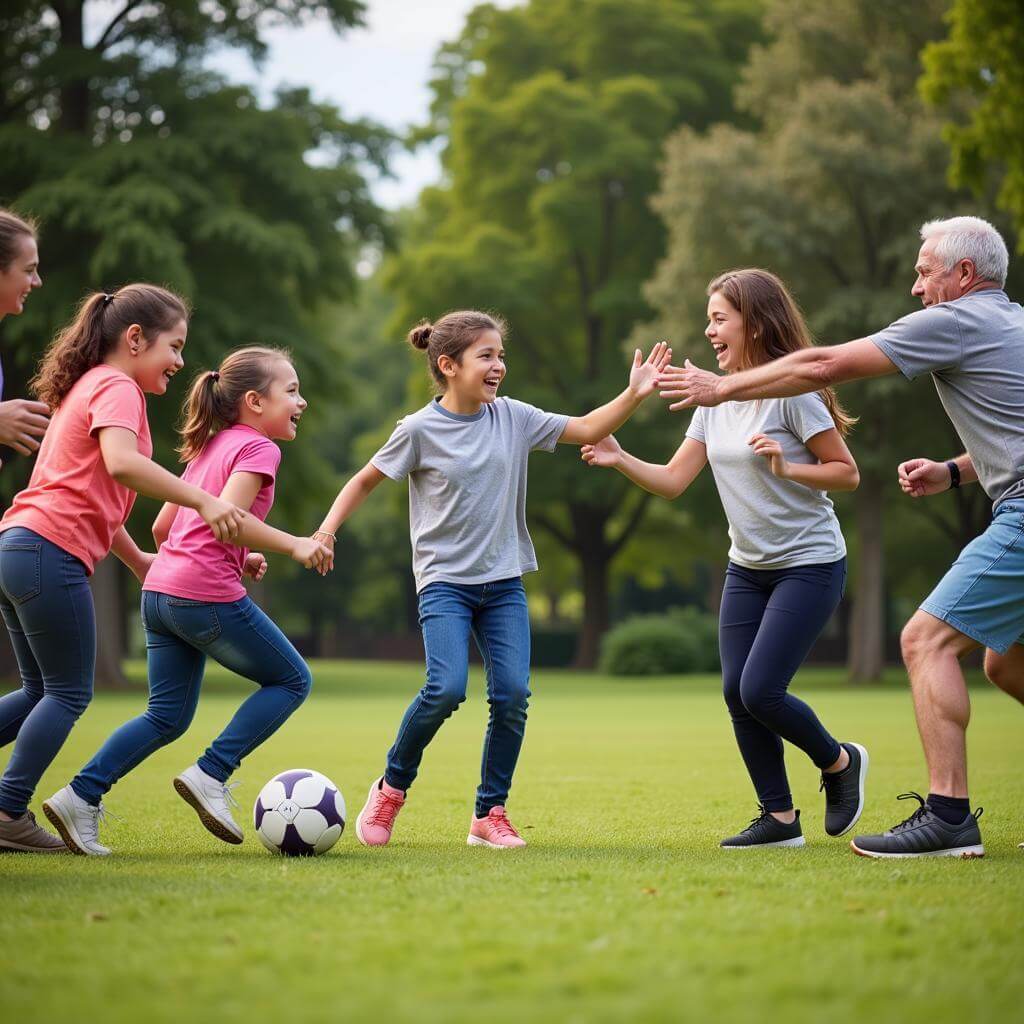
(107, 299)
(215, 376)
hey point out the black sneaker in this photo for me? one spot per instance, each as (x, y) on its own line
(844, 791)
(924, 834)
(766, 830)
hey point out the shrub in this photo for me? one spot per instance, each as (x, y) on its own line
(678, 642)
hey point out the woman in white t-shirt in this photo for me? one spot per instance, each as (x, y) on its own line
(774, 461)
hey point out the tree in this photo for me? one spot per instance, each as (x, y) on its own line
(554, 115)
(977, 73)
(828, 192)
(141, 165)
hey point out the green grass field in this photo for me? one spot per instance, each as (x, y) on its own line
(622, 908)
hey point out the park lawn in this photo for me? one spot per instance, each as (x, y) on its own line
(622, 908)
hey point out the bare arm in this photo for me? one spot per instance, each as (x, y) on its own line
(835, 469)
(609, 417)
(131, 554)
(128, 466)
(668, 481)
(809, 369)
(350, 497)
(920, 477)
(163, 522)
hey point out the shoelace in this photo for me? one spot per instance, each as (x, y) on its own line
(227, 796)
(385, 810)
(829, 782)
(916, 816)
(90, 828)
(754, 822)
(502, 825)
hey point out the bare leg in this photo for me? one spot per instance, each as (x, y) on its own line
(1007, 670)
(932, 650)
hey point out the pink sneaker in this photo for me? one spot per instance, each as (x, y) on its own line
(495, 831)
(377, 818)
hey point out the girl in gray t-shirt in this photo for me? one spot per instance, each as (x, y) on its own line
(774, 462)
(465, 457)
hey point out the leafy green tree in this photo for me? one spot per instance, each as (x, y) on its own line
(141, 165)
(554, 114)
(977, 73)
(828, 192)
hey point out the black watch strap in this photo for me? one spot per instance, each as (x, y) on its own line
(954, 474)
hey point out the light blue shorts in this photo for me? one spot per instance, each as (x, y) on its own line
(982, 595)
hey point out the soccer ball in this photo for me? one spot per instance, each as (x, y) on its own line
(299, 813)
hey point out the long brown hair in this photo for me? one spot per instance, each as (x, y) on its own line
(215, 398)
(773, 326)
(13, 227)
(451, 336)
(101, 320)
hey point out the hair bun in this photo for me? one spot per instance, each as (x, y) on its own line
(419, 336)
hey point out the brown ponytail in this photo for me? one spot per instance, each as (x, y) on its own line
(100, 321)
(12, 228)
(451, 336)
(215, 398)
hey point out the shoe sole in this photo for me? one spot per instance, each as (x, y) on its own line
(72, 840)
(793, 843)
(472, 840)
(6, 846)
(963, 852)
(210, 821)
(860, 805)
(359, 820)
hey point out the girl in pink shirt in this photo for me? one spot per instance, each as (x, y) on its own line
(194, 604)
(95, 456)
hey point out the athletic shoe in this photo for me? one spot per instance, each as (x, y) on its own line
(844, 792)
(209, 798)
(924, 834)
(766, 830)
(377, 818)
(77, 821)
(23, 835)
(494, 830)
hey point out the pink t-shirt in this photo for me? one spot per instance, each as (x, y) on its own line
(192, 563)
(71, 499)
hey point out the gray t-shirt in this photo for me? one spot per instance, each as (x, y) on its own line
(773, 523)
(974, 349)
(467, 487)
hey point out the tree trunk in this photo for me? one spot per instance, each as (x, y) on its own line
(594, 556)
(866, 653)
(108, 596)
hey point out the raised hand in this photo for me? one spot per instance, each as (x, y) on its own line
(920, 477)
(770, 449)
(255, 566)
(688, 385)
(606, 452)
(644, 373)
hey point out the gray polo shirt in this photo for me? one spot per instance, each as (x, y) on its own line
(773, 523)
(974, 349)
(467, 487)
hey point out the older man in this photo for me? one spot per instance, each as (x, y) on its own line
(970, 337)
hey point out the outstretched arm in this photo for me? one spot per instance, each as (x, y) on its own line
(809, 369)
(608, 418)
(666, 481)
(920, 477)
(349, 498)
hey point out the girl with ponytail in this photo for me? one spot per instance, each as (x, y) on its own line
(194, 604)
(94, 458)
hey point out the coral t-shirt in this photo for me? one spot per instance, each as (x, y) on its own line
(71, 499)
(192, 563)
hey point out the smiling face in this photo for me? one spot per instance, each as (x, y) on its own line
(18, 280)
(155, 363)
(282, 406)
(477, 376)
(934, 283)
(725, 332)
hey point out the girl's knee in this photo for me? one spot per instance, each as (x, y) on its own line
(511, 697)
(759, 698)
(303, 681)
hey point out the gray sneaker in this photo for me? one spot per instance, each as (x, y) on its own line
(924, 834)
(23, 835)
(77, 821)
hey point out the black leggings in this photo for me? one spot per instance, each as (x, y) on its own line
(769, 619)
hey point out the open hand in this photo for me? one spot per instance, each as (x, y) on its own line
(920, 477)
(770, 449)
(255, 566)
(688, 385)
(643, 375)
(606, 452)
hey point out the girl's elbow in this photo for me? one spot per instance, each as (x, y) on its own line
(852, 481)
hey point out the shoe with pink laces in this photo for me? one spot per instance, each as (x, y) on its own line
(377, 818)
(494, 830)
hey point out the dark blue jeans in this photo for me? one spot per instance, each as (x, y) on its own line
(495, 615)
(179, 635)
(47, 606)
(768, 622)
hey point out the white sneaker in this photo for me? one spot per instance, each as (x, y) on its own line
(77, 821)
(210, 797)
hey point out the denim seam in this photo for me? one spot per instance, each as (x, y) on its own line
(488, 670)
(988, 568)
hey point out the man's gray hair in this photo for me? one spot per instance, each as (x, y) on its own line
(969, 238)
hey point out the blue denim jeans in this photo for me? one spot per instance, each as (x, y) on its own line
(179, 635)
(47, 606)
(495, 615)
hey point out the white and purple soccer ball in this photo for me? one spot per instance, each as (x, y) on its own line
(299, 813)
